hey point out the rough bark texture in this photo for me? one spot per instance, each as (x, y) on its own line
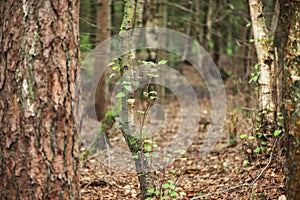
(265, 55)
(39, 67)
(291, 20)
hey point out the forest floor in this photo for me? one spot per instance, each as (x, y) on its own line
(223, 173)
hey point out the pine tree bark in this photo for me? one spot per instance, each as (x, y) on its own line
(39, 69)
(290, 16)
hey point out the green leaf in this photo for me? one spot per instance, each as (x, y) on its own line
(145, 94)
(147, 147)
(152, 92)
(135, 157)
(150, 190)
(162, 62)
(257, 150)
(165, 186)
(173, 194)
(147, 155)
(126, 83)
(172, 186)
(111, 63)
(243, 136)
(116, 68)
(256, 66)
(248, 25)
(277, 132)
(181, 151)
(259, 134)
(251, 137)
(141, 112)
(128, 88)
(121, 94)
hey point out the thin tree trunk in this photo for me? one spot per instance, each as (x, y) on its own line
(102, 33)
(133, 140)
(209, 24)
(266, 60)
(39, 68)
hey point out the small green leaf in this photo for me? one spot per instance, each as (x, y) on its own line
(111, 63)
(277, 132)
(248, 25)
(135, 157)
(162, 62)
(116, 68)
(246, 162)
(152, 92)
(181, 151)
(243, 136)
(145, 94)
(150, 190)
(147, 147)
(259, 134)
(141, 112)
(256, 66)
(165, 186)
(126, 83)
(257, 150)
(128, 88)
(251, 137)
(172, 186)
(121, 94)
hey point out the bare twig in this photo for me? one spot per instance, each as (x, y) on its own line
(245, 184)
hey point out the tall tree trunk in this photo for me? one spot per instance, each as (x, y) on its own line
(102, 33)
(266, 60)
(39, 68)
(290, 16)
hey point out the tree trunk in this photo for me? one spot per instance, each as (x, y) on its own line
(266, 61)
(39, 69)
(102, 33)
(290, 16)
(133, 140)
